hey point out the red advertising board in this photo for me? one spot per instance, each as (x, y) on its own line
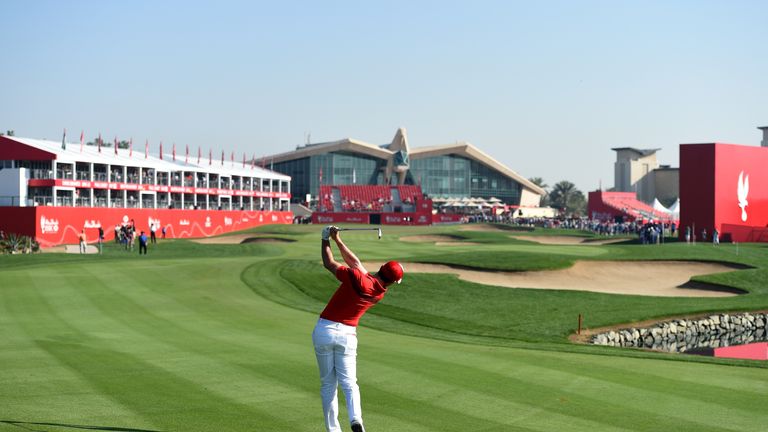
(53, 226)
(448, 218)
(422, 216)
(333, 218)
(724, 187)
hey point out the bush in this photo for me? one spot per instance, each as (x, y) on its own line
(12, 243)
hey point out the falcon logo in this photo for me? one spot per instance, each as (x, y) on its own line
(742, 192)
(48, 226)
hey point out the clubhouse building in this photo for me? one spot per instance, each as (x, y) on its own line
(458, 170)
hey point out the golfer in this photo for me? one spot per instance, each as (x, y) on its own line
(335, 335)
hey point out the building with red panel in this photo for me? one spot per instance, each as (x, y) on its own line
(724, 187)
(51, 190)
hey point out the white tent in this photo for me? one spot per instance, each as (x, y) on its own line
(659, 207)
(675, 209)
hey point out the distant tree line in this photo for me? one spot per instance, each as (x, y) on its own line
(563, 196)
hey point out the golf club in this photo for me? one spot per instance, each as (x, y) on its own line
(362, 229)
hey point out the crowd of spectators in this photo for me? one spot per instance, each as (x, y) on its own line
(647, 232)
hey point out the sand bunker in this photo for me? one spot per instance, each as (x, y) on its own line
(568, 240)
(75, 249)
(241, 239)
(647, 278)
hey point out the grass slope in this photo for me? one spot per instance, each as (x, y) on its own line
(217, 337)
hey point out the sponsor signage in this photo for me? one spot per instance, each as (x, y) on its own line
(61, 225)
(724, 187)
(422, 217)
(446, 218)
(326, 218)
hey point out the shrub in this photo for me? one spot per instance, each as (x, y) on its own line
(12, 243)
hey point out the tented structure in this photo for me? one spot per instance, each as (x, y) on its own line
(659, 207)
(674, 209)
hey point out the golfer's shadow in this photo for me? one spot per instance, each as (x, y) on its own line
(34, 426)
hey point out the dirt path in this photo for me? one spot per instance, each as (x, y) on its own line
(647, 278)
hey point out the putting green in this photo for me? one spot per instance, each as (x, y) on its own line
(217, 337)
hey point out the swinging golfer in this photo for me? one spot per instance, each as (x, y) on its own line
(335, 335)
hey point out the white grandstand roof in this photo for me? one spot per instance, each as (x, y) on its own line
(91, 154)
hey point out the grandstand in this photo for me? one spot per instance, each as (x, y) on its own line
(612, 205)
(368, 198)
(394, 205)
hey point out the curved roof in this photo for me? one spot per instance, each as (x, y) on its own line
(346, 144)
(470, 151)
(400, 142)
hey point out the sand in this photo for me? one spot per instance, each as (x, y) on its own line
(71, 249)
(646, 278)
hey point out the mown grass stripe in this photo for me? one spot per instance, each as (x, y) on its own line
(611, 405)
(56, 383)
(110, 370)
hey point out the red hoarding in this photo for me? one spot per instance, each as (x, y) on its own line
(332, 218)
(724, 187)
(53, 226)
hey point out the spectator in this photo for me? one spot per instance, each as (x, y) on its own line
(142, 243)
(83, 240)
(101, 239)
(152, 234)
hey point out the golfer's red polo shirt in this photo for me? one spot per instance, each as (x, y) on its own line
(358, 292)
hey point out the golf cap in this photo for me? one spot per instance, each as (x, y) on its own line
(392, 272)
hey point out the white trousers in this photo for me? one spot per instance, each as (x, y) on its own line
(336, 352)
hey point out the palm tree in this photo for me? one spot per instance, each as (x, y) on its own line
(538, 181)
(565, 196)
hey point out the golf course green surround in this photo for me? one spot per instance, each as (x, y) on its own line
(201, 337)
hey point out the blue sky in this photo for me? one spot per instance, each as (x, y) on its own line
(547, 88)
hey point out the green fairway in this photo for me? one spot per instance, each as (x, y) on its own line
(217, 338)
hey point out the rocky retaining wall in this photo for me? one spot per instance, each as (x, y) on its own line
(682, 335)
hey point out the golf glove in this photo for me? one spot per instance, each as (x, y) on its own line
(326, 233)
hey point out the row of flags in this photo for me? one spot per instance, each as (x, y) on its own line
(99, 143)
